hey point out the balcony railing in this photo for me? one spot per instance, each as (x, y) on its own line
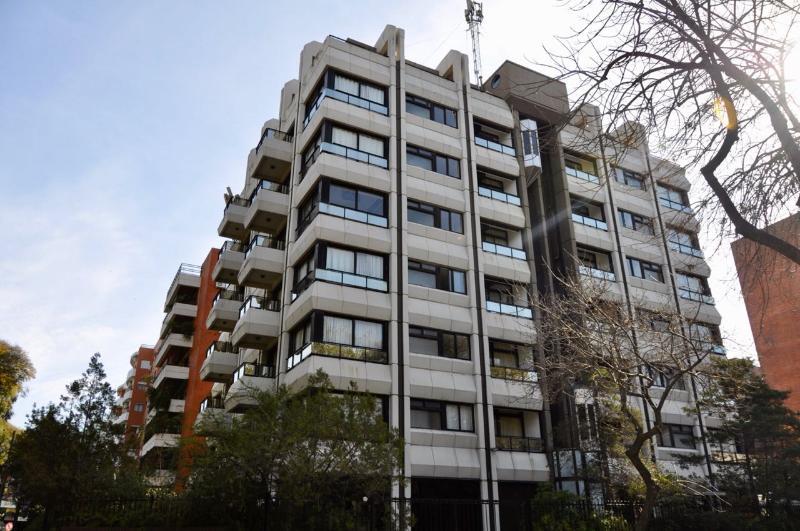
(347, 98)
(675, 205)
(582, 175)
(335, 350)
(519, 444)
(513, 373)
(237, 200)
(186, 269)
(499, 196)
(212, 402)
(273, 133)
(685, 249)
(341, 212)
(509, 309)
(221, 346)
(261, 240)
(259, 303)
(696, 296)
(272, 186)
(227, 295)
(710, 346)
(232, 246)
(255, 370)
(504, 250)
(346, 152)
(597, 273)
(339, 277)
(590, 222)
(495, 146)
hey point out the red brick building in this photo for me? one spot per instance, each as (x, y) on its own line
(132, 395)
(771, 288)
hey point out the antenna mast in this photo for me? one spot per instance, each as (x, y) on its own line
(474, 16)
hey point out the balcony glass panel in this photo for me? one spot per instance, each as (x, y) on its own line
(259, 303)
(499, 196)
(355, 215)
(590, 222)
(495, 146)
(504, 250)
(272, 186)
(255, 370)
(346, 98)
(509, 309)
(262, 240)
(596, 273)
(685, 249)
(335, 350)
(519, 444)
(583, 175)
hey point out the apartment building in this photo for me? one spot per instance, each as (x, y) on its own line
(771, 289)
(393, 226)
(131, 403)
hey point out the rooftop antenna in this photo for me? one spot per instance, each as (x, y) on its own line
(474, 16)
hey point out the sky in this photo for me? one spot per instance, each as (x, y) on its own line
(121, 124)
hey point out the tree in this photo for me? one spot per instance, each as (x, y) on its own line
(624, 363)
(316, 451)
(758, 442)
(707, 80)
(15, 369)
(71, 451)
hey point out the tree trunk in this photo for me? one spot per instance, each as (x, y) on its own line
(651, 487)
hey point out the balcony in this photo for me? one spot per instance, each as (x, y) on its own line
(232, 224)
(272, 156)
(350, 99)
(499, 196)
(186, 281)
(513, 373)
(594, 272)
(122, 418)
(686, 249)
(176, 405)
(269, 207)
(212, 411)
(160, 440)
(509, 309)
(519, 444)
(221, 360)
(231, 256)
(130, 375)
(582, 175)
(249, 380)
(170, 372)
(504, 250)
(343, 151)
(224, 311)
(259, 323)
(488, 143)
(173, 340)
(590, 222)
(334, 350)
(674, 205)
(264, 261)
(179, 318)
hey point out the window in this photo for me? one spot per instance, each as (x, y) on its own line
(507, 297)
(589, 213)
(694, 288)
(432, 111)
(494, 235)
(338, 336)
(347, 143)
(587, 422)
(493, 186)
(630, 178)
(636, 222)
(646, 270)
(436, 415)
(142, 386)
(428, 160)
(349, 90)
(676, 436)
(707, 336)
(144, 364)
(437, 277)
(495, 240)
(580, 168)
(596, 264)
(138, 407)
(505, 354)
(673, 198)
(434, 216)
(662, 375)
(342, 266)
(438, 343)
(343, 201)
(684, 242)
(587, 258)
(493, 138)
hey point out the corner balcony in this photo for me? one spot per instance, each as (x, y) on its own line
(221, 360)
(224, 311)
(249, 380)
(180, 316)
(160, 440)
(170, 372)
(273, 154)
(231, 256)
(259, 323)
(269, 207)
(264, 261)
(212, 411)
(186, 279)
(232, 224)
(172, 340)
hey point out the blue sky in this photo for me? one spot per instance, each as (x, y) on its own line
(121, 124)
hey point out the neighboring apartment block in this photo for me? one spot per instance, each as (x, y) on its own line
(395, 223)
(771, 289)
(131, 403)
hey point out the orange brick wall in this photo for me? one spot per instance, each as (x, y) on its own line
(139, 396)
(771, 289)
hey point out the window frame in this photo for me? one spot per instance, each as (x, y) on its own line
(437, 212)
(638, 221)
(670, 429)
(645, 267)
(309, 207)
(440, 341)
(625, 176)
(435, 159)
(444, 276)
(440, 406)
(316, 259)
(432, 108)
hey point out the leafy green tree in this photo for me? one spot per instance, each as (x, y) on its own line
(15, 369)
(70, 451)
(317, 450)
(758, 441)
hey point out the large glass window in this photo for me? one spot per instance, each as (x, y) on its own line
(673, 198)
(428, 160)
(676, 436)
(684, 242)
(340, 200)
(636, 222)
(341, 266)
(438, 343)
(349, 90)
(348, 143)
(434, 216)
(436, 276)
(432, 111)
(338, 336)
(629, 178)
(436, 415)
(646, 270)
(694, 288)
